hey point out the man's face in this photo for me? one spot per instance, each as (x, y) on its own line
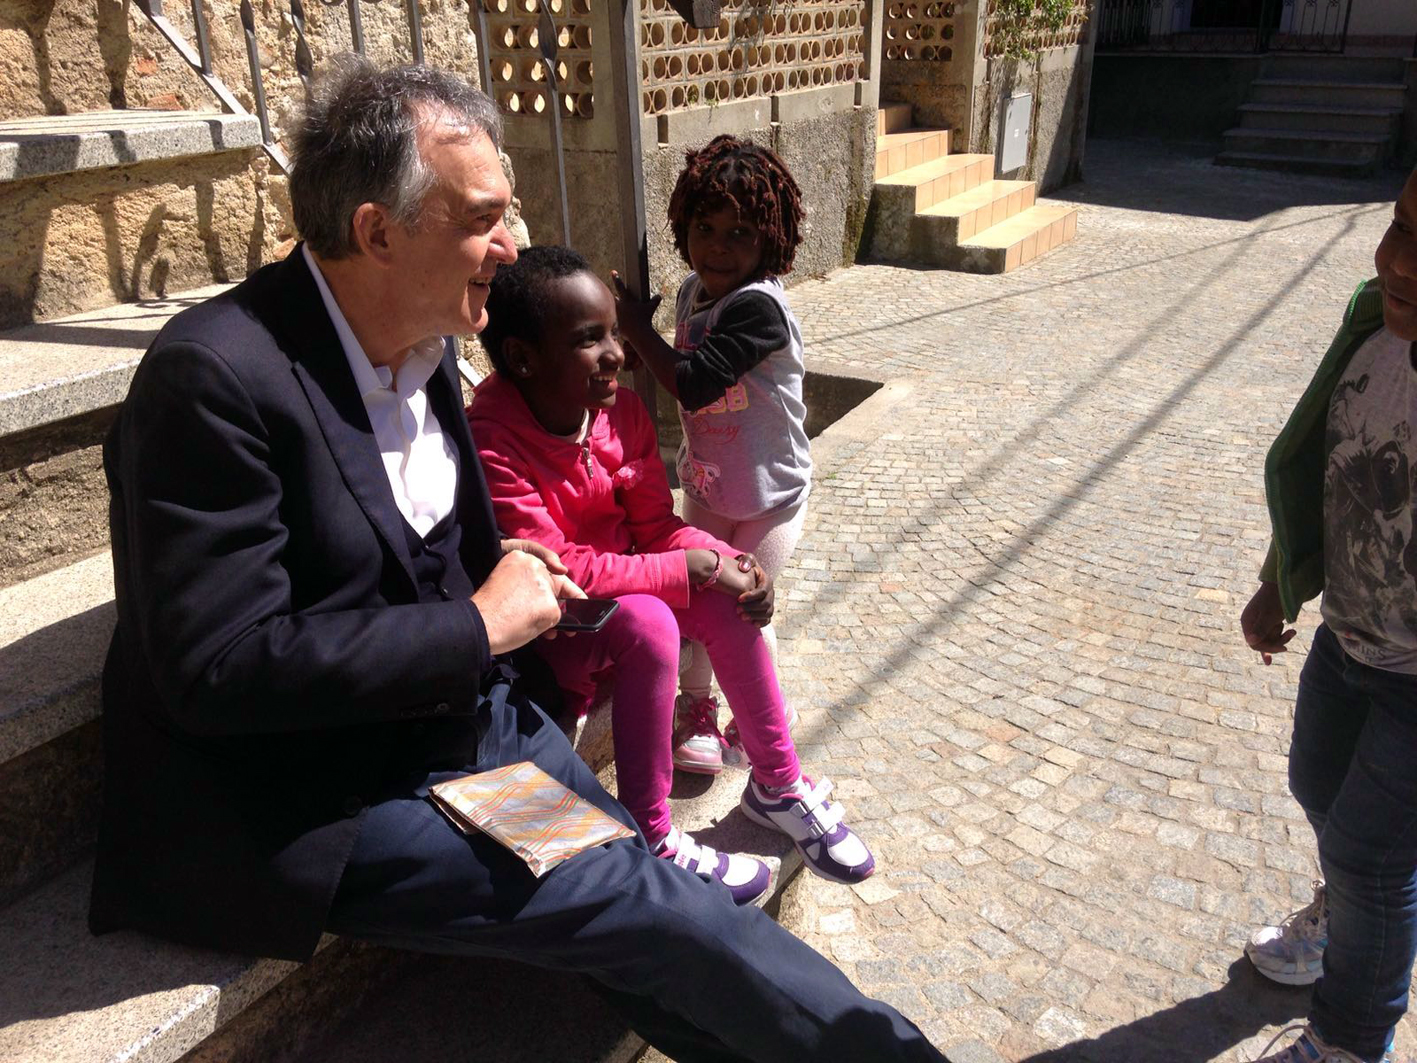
(440, 271)
(1397, 265)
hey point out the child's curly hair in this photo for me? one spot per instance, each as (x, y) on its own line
(732, 172)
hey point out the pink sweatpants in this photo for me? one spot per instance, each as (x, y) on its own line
(640, 643)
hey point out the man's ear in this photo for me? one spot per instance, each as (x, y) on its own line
(371, 224)
(517, 353)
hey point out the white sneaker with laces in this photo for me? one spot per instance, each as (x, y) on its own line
(1292, 952)
(1311, 1049)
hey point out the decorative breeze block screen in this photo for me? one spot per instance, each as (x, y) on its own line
(756, 51)
(1068, 36)
(916, 29)
(518, 74)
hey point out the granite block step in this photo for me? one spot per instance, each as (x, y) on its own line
(68, 997)
(1262, 160)
(892, 118)
(1310, 67)
(1019, 240)
(1319, 118)
(910, 147)
(1356, 147)
(1387, 95)
(81, 363)
(55, 144)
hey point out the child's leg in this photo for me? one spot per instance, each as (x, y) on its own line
(772, 540)
(696, 680)
(745, 672)
(641, 641)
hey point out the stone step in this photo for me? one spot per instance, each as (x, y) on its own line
(1318, 118)
(1019, 240)
(960, 217)
(892, 117)
(1388, 95)
(55, 144)
(1259, 160)
(930, 182)
(910, 147)
(68, 997)
(84, 362)
(54, 633)
(1312, 67)
(1355, 147)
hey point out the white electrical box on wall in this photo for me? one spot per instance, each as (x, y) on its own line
(1013, 132)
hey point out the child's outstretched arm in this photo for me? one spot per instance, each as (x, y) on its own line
(636, 319)
(751, 327)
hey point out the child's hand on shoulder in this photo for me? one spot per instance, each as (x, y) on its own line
(636, 315)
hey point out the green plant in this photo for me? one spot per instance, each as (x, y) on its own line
(1019, 25)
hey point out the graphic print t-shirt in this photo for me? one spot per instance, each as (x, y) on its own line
(1370, 506)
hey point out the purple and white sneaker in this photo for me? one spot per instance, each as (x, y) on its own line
(745, 877)
(804, 814)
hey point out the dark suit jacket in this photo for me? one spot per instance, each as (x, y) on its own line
(273, 670)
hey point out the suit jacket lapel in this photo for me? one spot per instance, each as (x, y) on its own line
(320, 365)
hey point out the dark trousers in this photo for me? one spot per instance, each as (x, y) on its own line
(1353, 769)
(696, 976)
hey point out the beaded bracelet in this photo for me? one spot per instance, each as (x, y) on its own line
(717, 570)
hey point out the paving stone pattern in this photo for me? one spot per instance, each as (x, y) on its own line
(1012, 627)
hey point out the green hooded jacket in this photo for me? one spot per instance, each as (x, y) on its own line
(1294, 469)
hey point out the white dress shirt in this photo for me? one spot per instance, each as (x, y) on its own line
(417, 459)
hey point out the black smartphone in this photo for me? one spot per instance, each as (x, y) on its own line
(586, 614)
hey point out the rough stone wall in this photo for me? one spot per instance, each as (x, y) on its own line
(79, 241)
(97, 237)
(53, 496)
(1059, 84)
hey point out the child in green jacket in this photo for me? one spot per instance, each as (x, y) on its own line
(1343, 506)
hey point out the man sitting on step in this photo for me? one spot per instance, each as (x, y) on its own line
(313, 608)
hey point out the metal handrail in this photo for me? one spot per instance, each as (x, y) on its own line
(200, 57)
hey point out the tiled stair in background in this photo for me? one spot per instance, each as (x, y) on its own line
(934, 208)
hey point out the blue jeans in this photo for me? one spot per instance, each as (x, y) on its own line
(1353, 769)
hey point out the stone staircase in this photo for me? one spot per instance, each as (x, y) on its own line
(1333, 115)
(934, 208)
(65, 996)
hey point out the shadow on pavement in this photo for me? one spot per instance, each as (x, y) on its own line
(1182, 178)
(1197, 1030)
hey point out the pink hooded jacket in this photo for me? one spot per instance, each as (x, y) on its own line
(604, 505)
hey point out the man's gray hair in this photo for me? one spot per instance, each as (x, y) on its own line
(357, 142)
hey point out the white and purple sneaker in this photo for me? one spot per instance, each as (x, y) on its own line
(745, 877)
(804, 814)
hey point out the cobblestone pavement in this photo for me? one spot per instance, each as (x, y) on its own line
(1012, 625)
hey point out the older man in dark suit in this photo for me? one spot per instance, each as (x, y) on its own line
(314, 606)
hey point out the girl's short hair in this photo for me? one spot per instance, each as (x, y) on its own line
(738, 173)
(516, 301)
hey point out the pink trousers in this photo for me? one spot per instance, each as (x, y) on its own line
(640, 647)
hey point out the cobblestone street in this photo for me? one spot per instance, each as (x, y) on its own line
(1012, 627)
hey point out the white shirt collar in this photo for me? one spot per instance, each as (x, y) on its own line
(420, 365)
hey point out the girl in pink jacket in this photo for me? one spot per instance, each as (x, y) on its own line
(574, 465)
